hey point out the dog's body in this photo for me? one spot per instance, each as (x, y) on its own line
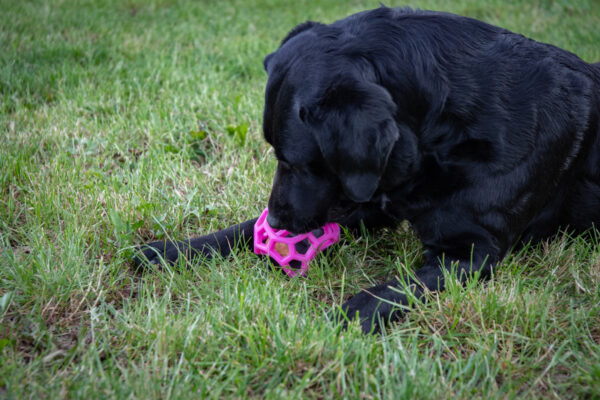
(480, 137)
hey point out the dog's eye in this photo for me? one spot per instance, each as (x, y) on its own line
(291, 167)
(302, 114)
(284, 164)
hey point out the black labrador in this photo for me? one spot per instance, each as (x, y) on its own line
(479, 137)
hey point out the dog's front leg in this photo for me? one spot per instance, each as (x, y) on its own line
(221, 242)
(388, 301)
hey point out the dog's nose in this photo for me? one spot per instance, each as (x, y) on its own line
(273, 221)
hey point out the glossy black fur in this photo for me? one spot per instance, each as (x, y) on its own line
(480, 137)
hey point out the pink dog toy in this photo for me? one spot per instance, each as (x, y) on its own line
(292, 252)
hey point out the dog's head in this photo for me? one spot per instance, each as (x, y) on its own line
(331, 125)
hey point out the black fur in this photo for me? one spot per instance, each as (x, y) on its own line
(480, 137)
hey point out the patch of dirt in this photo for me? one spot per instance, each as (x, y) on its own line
(60, 325)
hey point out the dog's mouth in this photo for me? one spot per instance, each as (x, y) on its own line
(339, 212)
(293, 226)
(298, 229)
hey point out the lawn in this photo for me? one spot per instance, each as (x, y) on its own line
(128, 121)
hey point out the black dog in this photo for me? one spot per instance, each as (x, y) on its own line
(480, 137)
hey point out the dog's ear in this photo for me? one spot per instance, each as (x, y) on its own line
(356, 131)
(266, 61)
(294, 32)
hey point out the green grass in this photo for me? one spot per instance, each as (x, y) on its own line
(115, 122)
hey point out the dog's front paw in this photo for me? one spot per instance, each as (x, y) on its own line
(376, 306)
(154, 253)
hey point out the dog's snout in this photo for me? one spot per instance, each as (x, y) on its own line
(273, 221)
